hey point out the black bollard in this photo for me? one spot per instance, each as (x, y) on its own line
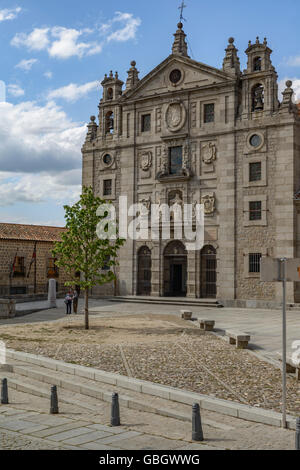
(4, 392)
(115, 411)
(54, 401)
(197, 426)
(298, 434)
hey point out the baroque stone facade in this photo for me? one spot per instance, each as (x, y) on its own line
(196, 134)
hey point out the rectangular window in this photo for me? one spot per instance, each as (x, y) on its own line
(146, 123)
(52, 269)
(209, 113)
(19, 266)
(175, 160)
(255, 171)
(255, 210)
(254, 262)
(107, 187)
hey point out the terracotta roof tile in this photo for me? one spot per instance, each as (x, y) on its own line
(30, 232)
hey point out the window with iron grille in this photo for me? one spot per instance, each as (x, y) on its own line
(175, 160)
(255, 210)
(209, 113)
(19, 266)
(52, 269)
(255, 171)
(107, 187)
(146, 123)
(254, 262)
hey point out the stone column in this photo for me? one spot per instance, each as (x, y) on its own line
(191, 274)
(52, 293)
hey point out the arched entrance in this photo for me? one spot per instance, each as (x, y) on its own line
(144, 271)
(175, 269)
(208, 277)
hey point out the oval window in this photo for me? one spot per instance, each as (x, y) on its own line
(175, 76)
(255, 140)
(107, 159)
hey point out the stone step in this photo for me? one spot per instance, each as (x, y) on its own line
(208, 303)
(33, 381)
(145, 389)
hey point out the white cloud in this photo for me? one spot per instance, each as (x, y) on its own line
(48, 75)
(295, 87)
(15, 90)
(40, 154)
(66, 44)
(26, 64)
(73, 92)
(37, 40)
(9, 14)
(293, 61)
(63, 43)
(35, 139)
(128, 30)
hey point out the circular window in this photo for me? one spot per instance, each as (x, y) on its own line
(255, 140)
(107, 159)
(175, 76)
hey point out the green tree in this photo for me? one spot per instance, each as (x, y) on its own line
(81, 250)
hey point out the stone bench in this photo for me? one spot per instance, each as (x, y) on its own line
(239, 338)
(186, 314)
(7, 308)
(291, 367)
(206, 325)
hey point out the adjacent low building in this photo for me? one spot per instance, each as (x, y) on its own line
(26, 258)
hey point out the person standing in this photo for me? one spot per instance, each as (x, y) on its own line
(68, 302)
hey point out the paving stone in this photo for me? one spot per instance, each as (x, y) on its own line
(110, 429)
(95, 446)
(63, 436)
(90, 437)
(149, 442)
(64, 427)
(119, 437)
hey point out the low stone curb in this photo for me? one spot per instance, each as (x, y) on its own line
(218, 405)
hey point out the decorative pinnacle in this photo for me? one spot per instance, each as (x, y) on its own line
(289, 83)
(231, 40)
(133, 63)
(93, 118)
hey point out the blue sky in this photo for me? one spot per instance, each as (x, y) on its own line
(53, 55)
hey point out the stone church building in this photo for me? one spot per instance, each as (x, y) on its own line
(197, 134)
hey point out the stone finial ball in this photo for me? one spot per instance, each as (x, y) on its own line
(93, 118)
(180, 25)
(133, 63)
(231, 40)
(289, 83)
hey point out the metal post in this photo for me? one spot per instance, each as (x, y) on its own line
(197, 434)
(298, 434)
(4, 392)
(283, 262)
(115, 410)
(54, 401)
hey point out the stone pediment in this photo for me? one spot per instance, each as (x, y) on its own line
(176, 73)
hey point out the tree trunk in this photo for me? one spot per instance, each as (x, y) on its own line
(86, 309)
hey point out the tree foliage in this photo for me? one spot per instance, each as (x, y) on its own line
(82, 251)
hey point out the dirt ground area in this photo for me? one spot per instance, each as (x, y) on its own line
(162, 349)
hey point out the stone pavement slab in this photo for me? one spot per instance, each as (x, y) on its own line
(85, 438)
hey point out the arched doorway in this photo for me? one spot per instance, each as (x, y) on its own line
(208, 277)
(144, 271)
(175, 269)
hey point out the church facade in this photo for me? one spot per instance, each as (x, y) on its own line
(193, 133)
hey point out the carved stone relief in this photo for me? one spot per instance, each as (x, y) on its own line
(208, 200)
(175, 116)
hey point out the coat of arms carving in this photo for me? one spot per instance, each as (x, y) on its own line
(175, 116)
(209, 204)
(209, 153)
(146, 161)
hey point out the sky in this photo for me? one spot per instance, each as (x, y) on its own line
(54, 54)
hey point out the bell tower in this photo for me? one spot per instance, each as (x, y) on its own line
(260, 88)
(109, 110)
